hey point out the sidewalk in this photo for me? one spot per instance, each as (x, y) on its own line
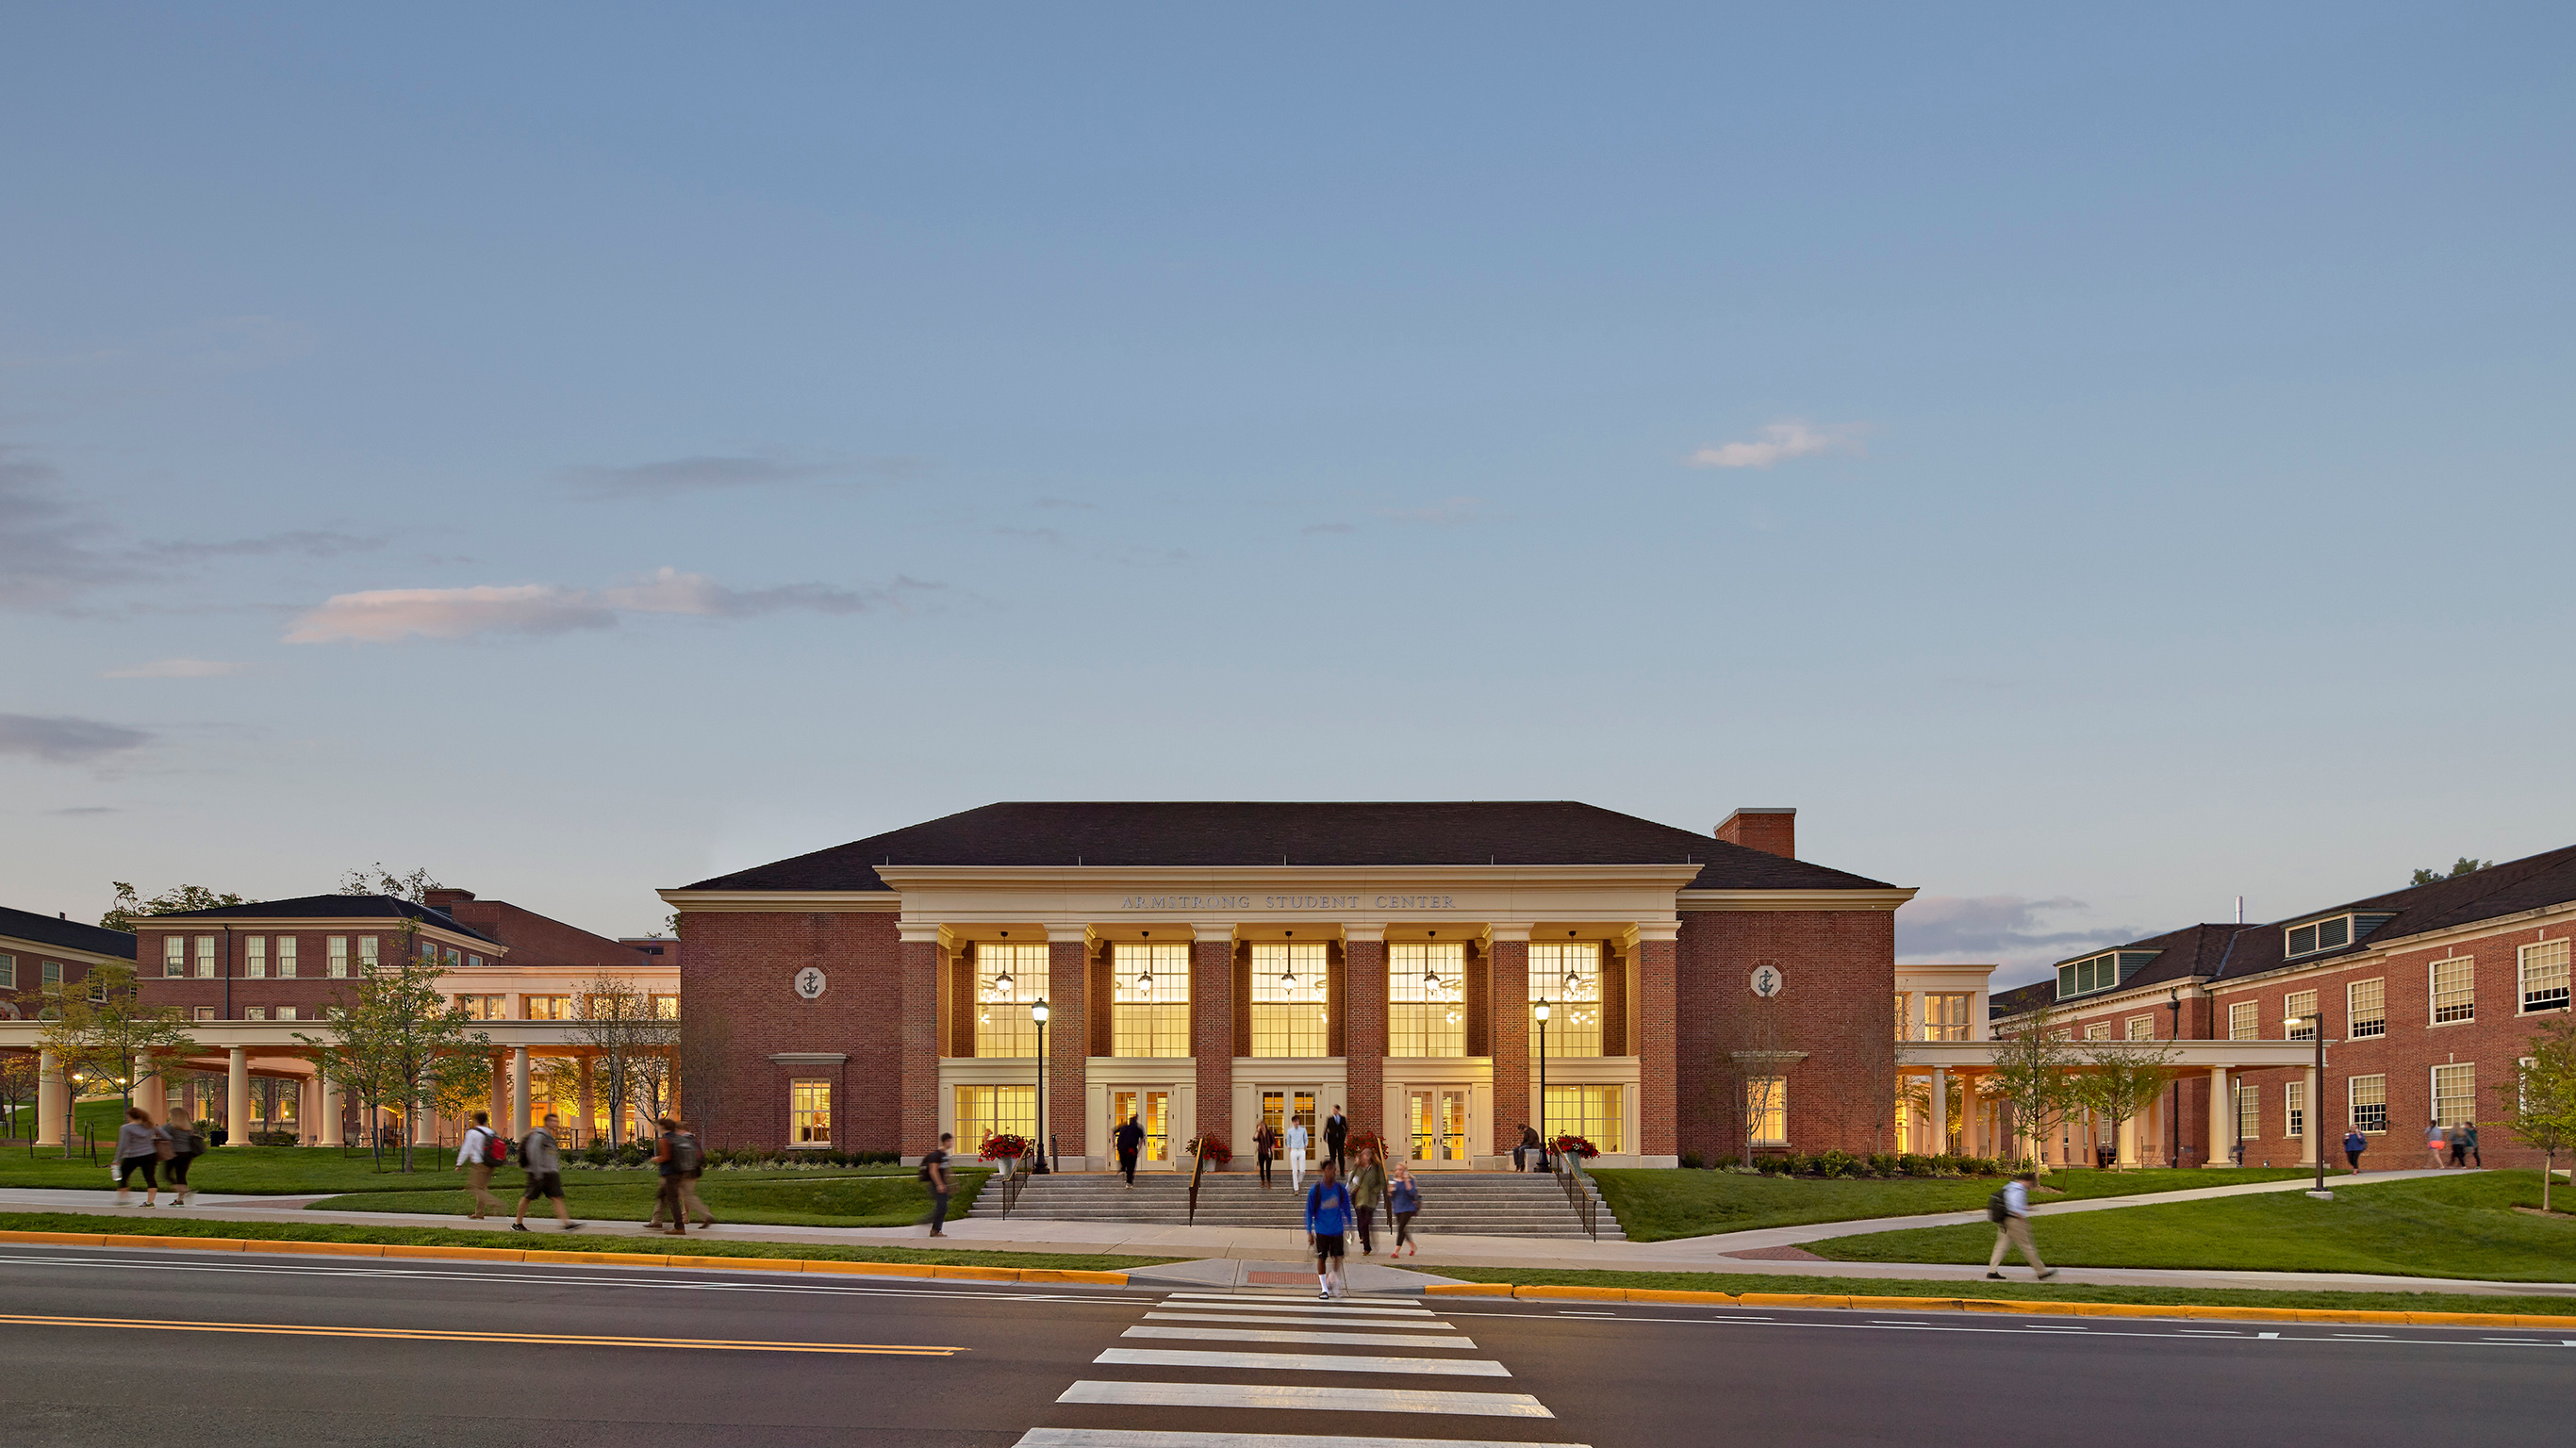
(1270, 1245)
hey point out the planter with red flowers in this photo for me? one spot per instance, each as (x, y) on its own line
(1578, 1147)
(1003, 1146)
(1212, 1149)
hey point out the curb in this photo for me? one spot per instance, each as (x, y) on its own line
(1993, 1304)
(605, 1259)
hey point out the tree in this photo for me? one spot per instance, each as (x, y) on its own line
(2540, 1102)
(102, 1031)
(130, 906)
(414, 887)
(2461, 866)
(17, 1084)
(401, 1043)
(1761, 1063)
(2124, 1078)
(628, 1041)
(2032, 1075)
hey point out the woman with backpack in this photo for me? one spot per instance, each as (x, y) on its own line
(139, 1145)
(186, 1145)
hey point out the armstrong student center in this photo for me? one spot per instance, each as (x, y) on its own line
(1206, 967)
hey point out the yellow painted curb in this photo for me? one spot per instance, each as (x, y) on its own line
(1664, 1294)
(1468, 1289)
(871, 1269)
(1578, 1294)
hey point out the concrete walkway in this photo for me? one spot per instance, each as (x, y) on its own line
(1261, 1247)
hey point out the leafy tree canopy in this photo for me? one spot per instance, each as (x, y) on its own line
(2461, 866)
(377, 880)
(130, 906)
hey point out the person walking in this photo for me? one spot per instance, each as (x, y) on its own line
(2010, 1211)
(2354, 1144)
(2469, 1140)
(934, 1175)
(1131, 1141)
(691, 1158)
(543, 1161)
(1296, 1155)
(138, 1148)
(1403, 1199)
(2435, 1144)
(666, 1160)
(186, 1145)
(1521, 1149)
(1337, 1137)
(1368, 1191)
(1328, 1215)
(1265, 1145)
(475, 1155)
(2458, 1141)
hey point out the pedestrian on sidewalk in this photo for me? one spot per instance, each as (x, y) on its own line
(1328, 1216)
(1265, 1145)
(2458, 1141)
(2010, 1211)
(2354, 1144)
(2469, 1140)
(1337, 1137)
(138, 1148)
(666, 1159)
(934, 1175)
(1296, 1155)
(1403, 1199)
(1521, 1149)
(475, 1155)
(2435, 1143)
(1368, 1190)
(187, 1143)
(544, 1164)
(692, 1161)
(1131, 1141)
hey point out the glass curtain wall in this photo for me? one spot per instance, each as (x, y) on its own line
(1149, 1010)
(1426, 999)
(1291, 1008)
(1009, 978)
(1568, 976)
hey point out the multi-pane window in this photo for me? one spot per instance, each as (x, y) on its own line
(2544, 976)
(2365, 1004)
(2098, 1031)
(2245, 1021)
(286, 1013)
(2294, 1109)
(809, 1112)
(666, 1007)
(1766, 1107)
(2300, 1006)
(1149, 999)
(2142, 1028)
(255, 1013)
(1567, 976)
(1904, 1016)
(335, 954)
(174, 955)
(50, 974)
(2454, 990)
(1426, 998)
(1009, 979)
(473, 962)
(1945, 1015)
(1289, 1003)
(2249, 1111)
(2369, 1104)
(255, 957)
(286, 957)
(205, 957)
(366, 955)
(2455, 1094)
(8, 972)
(987, 1111)
(455, 959)
(2323, 935)
(205, 1013)
(549, 1007)
(1590, 1112)
(485, 1007)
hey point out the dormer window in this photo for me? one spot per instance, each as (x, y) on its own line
(2100, 972)
(2332, 933)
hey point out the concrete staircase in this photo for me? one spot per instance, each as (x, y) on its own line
(1497, 1204)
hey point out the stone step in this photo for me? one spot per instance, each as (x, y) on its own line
(1482, 1203)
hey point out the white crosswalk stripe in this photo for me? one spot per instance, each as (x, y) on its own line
(1165, 1438)
(1276, 1396)
(1374, 1324)
(1320, 1339)
(1296, 1304)
(1159, 1357)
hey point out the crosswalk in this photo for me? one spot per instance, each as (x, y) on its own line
(1268, 1355)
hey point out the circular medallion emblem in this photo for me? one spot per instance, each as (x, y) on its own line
(1767, 981)
(810, 982)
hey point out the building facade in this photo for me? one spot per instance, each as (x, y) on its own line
(42, 954)
(1208, 967)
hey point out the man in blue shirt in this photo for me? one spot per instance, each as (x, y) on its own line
(1328, 1215)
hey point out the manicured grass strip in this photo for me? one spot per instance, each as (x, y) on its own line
(802, 1199)
(1656, 1206)
(551, 1243)
(2460, 1225)
(327, 1171)
(1740, 1284)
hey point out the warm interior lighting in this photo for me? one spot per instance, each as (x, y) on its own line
(1543, 1011)
(1038, 1012)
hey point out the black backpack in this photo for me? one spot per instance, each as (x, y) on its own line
(686, 1159)
(1997, 1211)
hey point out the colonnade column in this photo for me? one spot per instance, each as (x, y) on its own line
(308, 1108)
(1212, 1037)
(1940, 1112)
(1363, 1006)
(1658, 1040)
(2221, 1150)
(53, 1099)
(332, 1107)
(2314, 1118)
(916, 1042)
(2128, 1141)
(148, 1092)
(1507, 1032)
(237, 1098)
(589, 1112)
(519, 1122)
(1068, 1041)
(499, 1110)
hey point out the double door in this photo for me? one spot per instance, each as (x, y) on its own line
(1153, 1111)
(1438, 1119)
(1293, 1104)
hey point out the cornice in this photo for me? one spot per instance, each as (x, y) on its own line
(880, 902)
(1107, 878)
(1874, 899)
(312, 925)
(20, 945)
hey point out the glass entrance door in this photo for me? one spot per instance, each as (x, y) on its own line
(1153, 1110)
(1439, 1127)
(1280, 1108)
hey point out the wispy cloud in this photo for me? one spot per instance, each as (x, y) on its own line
(393, 614)
(2011, 930)
(86, 809)
(1447, 513)
(712, 473)
(1780, 442)
(307, 542)
(177, 669)
(49, 553)
(62, 739)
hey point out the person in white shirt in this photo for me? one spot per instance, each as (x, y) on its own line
(475, 1155)
(2012, 1229)
(1296, 1155)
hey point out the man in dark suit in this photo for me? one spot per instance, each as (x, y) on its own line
(1337, 1133)
(1131, 1140)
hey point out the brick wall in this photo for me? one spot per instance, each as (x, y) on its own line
(1657, 1046)
(1507, 1033)
(737, 980)
(1364, 1034)
(1216, 970)
(1068, 1037)
(1838, 1007)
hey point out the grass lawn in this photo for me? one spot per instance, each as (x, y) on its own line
(1654, 1206)
(98, 1118)
(554, 1241)
(1973, 1285)
(886, 1197)
(2445, 1226)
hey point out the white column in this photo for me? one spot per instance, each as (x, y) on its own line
(237, 1098)
(2308, 1138)
(308, 1109)
(2222, 1121)
(332, 1106)
(1940, 1112)
(519, 1092)
(52, 1099)
(500, 1107)
(2128, 1141)
(148, 1090)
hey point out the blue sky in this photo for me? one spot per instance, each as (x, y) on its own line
(2093, 467)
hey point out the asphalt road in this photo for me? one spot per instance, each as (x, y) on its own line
(100, 1347)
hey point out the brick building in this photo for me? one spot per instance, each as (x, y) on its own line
(1206, 967)
(44, 953)
(2428, 998)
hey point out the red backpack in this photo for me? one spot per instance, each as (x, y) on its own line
(495, 1150)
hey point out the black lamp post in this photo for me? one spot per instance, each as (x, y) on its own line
(1038, 1013)
(1544, 1146)
(2315, 1124)
(2173, 1129)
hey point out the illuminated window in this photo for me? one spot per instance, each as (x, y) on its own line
(666, 1008)
(1766, 1106)
(1426, 998)
(255, 1013)
(549, 1008)
(286, 957)
(1591, 1112)
(2098, 1031)
(2365, 1004)
(986, 1111)
(2245, 1021)
(1904, 1015)
(485, 1007)
(1945, 1015)
(205, 957)
(174, 955)
(2294, 1109)
(335, 951)
(2544, 976)
(286, 1013)
(2369, 1104)
(2142, 1028)
(2454, 990)
(1009, 978)
(1149, 999)
(2455, 1094)
(1290, 1006)
(2300, 1006)
(809, 1113)
(1567, 975)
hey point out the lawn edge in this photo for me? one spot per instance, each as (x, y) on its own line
(2033, 1306)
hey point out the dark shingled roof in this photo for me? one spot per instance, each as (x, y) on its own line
(64, 934)
(1217, 833)
(2193, 952)
(328, 907)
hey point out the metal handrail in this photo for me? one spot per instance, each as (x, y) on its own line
(1014, 1181)
(1578, 1190)
(1196, 1172)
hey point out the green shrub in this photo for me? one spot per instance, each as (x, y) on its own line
(1914, 1164)
(1691, 1161)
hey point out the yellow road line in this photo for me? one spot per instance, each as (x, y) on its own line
(515, 1338)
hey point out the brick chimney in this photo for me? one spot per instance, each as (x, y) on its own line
(442, 899)
(1773, 831)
